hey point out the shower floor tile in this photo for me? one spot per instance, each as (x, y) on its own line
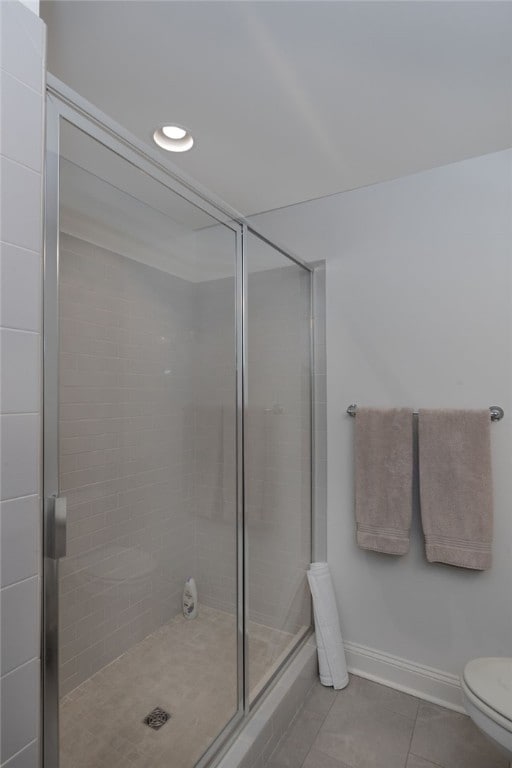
(188, 668)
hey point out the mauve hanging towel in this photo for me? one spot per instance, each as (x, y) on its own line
(456, 486)
(383, 479)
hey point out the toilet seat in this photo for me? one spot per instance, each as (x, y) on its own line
(487, 683)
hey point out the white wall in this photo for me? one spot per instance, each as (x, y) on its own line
(22, 104)
(32, 4)
(419, 313)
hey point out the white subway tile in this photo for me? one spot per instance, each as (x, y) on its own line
(20, 371)
(22, 50)
(20, 287)
(20, 539)
(20, 623)
(20, 455)
(26, 758)
(21, 111)
(19, 708)
(22, 44)
(20, 205)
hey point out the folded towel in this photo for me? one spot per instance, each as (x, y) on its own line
(331, 654)
(383, 482)
(456, 487)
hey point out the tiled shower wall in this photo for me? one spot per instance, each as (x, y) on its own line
(147, 442)
(147, 438)
(126, 452)
(278, 447)
(22, 72)
(215, 445)
(277, 461)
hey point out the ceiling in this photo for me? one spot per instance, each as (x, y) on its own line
(109, 202)
(290, 101)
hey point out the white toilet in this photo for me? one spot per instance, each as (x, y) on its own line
(487, 696)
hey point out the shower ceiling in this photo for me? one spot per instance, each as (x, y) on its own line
(290, 101)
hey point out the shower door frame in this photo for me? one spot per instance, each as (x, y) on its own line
(65, 104)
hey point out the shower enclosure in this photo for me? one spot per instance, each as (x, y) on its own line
(178, 443)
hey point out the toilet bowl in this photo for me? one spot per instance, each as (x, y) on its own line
(487, 696)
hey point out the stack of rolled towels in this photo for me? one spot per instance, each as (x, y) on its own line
(331, 653)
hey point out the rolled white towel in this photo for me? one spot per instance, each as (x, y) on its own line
(331, 653)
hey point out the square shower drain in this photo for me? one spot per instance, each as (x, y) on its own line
(156, 718)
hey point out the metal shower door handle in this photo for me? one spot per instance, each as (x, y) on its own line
(56, 525)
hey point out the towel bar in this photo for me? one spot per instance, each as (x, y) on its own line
(497, 413)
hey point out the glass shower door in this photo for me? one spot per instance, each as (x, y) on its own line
(278, 429)
(146, 458)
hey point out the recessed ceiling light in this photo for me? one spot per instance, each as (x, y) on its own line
(173, 132)
(173, 138)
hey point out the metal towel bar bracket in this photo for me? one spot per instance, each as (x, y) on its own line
(497, 413)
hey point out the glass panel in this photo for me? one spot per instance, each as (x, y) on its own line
(147, 396)
(278, 458)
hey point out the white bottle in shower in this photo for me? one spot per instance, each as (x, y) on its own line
(190, 599)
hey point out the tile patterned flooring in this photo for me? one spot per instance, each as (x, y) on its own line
(186, 667)
(189, 669)
(371, 726)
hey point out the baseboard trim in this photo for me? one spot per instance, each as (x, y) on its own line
(426, 683)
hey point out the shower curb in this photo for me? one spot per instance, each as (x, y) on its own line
(263, 730)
